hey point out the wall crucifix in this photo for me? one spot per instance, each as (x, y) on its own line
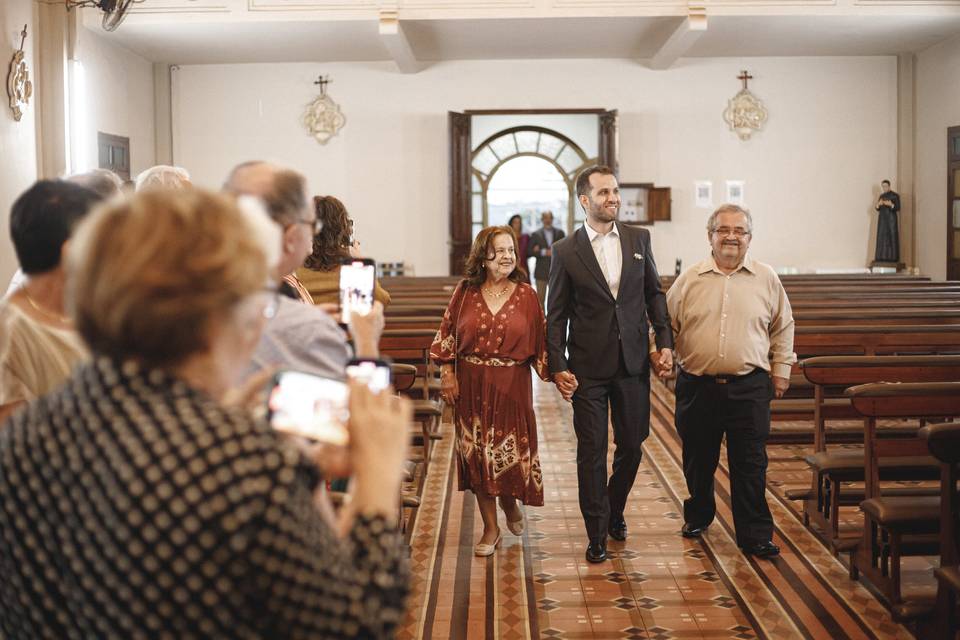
(745, 112)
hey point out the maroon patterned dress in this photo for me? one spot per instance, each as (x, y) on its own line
(496, 429)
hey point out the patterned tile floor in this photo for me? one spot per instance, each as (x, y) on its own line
(657, 585)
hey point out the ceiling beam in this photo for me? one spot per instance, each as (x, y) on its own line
(398, 45)
(681, 40)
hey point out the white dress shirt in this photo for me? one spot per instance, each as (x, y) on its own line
(607, 249)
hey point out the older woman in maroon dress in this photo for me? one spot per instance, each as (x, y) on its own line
(492, 333)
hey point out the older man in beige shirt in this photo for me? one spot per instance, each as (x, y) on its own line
(733, 333)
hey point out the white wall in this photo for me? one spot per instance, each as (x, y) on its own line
(116, 97)
(938, 107)
(18, 140)
(810, 175)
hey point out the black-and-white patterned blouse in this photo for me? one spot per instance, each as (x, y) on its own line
(132, 505)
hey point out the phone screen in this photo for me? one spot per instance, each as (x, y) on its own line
(310, 406)
(356, 286)
(375, 374)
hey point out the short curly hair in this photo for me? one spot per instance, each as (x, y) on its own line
(145, 276)
(475, 271)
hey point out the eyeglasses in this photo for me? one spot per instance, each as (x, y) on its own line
(726, 231)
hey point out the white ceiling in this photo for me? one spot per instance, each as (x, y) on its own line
(215, 41)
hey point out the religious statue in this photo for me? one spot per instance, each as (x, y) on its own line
(745, 112)
(323, 118)
(19, 86)
(888, 232)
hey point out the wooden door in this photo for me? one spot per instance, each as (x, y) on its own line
(114, 154)
(658, 201)
(953, 203)
(460, 180)
(609, 139)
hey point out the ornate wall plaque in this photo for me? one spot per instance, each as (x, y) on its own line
(745, 112)
(323, 118)
(19, 86)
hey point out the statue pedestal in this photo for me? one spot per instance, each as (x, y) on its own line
(878, 266)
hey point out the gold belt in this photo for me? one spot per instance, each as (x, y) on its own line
(490, 362)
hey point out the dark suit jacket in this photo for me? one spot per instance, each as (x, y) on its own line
(538, 241)
(599, 325)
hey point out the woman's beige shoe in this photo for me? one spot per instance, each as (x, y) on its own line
(515, 526)
(484, 550)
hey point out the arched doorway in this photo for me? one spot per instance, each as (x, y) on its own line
(540, 154)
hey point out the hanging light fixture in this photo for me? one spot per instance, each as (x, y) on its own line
(114, 11)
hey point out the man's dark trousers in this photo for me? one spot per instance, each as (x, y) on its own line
(738, 407)
(628, 398)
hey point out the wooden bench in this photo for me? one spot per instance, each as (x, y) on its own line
(834, 469)
(897, 526)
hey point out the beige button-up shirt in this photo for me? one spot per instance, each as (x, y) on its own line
(731, 324)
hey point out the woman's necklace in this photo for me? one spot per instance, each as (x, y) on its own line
(498, 294)
(50, 314)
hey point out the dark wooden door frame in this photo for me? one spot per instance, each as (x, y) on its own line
(459, 127)
(953, 166)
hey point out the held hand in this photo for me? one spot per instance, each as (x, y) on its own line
(662, 362)
(449, 389)
(567, 384)
(366, 330)
(780, 386)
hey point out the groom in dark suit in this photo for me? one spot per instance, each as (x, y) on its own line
(603, 286)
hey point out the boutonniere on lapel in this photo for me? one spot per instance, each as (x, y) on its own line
(638, 256)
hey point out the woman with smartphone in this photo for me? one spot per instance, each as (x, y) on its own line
(332, 247)
(492, 332)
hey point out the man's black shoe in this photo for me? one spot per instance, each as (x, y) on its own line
(597, 551)
(618, 529)
(762, 549)
(692, 530)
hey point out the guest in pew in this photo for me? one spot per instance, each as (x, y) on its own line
(733, 330)
(42, 345)
(321, 272)
(523, 241)
(491, 334)
(163, 177)
(135, 503)
(604, 290)
(300, 336)
(103, 182)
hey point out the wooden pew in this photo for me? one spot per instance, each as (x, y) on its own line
(833, 469)
(943, 441)
(897, 526)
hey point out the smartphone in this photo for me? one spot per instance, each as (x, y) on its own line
(309, 405)
(372, 372)
(356, 286)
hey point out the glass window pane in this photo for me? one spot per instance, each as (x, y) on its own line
(956, 245)
(475, 183)
(956, 147)
(485, 161)
(477, 227)
(504, 147)
(956, 183)
(527, 141)
(569, 159)
(476, 208)
(956, 214)
(550, 146)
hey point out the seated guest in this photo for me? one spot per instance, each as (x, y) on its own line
(134, 503)
(42, 346)
(321, 275)
(163, 176)
(103, 182)
(300, 336)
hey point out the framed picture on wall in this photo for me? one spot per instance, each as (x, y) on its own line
(735, 192)
(634, 200)
(703, 194)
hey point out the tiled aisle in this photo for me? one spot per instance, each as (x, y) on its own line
(657, 584)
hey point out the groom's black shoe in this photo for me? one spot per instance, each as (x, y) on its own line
(692, 530)
(597, 551)
(618, 529)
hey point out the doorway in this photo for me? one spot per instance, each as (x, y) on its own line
(524, 170)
